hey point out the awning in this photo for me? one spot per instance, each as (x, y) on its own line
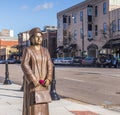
(69, 48)
(59, 48)
(72, 46)
(112, 43)
(66, 50)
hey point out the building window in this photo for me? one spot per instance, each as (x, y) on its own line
(58, 23)
(89, 31)
(96, 11)
(75, 34)
(69, 36)
(104, 8)
(64, 19)
(104, 28)
(90, 35)
(64, 32)
(69, 20)
(113, 26)
(74, 16)
(89, 10)
(90, 27)
(96, 30)
(118, 24)
(81, 16)
(81, 32)
(89, 18)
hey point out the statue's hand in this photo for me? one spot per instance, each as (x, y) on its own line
(36, 83)
(47, 82)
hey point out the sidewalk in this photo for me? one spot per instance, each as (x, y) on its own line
(11, 99)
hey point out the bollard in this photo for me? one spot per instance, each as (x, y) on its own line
(7, 81)
(53, 93)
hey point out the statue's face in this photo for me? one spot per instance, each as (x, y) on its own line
(37, 40)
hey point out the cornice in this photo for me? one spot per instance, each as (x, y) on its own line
(80, 5)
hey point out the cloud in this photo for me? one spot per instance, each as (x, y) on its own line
(43, 6)
(24, 7)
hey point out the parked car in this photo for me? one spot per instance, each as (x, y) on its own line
(2, 61)
(63, 61)
(77, 60)
(11, 61)
(67, 60)
(58, 61)
(89, 61)
(107, 60)
(18, 61)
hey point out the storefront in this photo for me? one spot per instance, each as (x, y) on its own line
(114, 46)
(6, 53)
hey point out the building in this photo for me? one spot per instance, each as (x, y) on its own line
(8, 47)
(113, 42)
(23, 41)
(85, 28)
(6, 32)
(49, 40)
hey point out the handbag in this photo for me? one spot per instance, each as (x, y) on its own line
(43, 95)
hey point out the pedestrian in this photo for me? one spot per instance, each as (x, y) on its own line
(38, 69)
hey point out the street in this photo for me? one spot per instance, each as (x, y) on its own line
(92, 85)
(98, 86)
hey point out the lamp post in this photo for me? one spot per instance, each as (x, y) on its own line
(7, 81)
(82, 34)
(83, 44)
(53, 93)
(20, 44)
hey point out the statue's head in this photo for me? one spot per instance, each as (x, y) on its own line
(35, 36)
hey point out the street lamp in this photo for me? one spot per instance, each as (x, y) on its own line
(7, 81)
(82, 33)
(53, 93)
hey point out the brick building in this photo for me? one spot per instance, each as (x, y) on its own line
(49, 40)
(8, 47)
(7, 32)
(88, 28)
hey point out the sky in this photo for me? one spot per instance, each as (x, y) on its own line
(23, 15)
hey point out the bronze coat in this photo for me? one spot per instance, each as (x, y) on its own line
(32, 74)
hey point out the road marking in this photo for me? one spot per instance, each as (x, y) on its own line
(73, 79)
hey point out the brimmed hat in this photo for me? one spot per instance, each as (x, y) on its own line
(35, 30)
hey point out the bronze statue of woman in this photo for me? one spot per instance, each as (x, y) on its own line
(38, 69)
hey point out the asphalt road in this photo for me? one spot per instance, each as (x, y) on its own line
(98, 86)
(92, 85)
